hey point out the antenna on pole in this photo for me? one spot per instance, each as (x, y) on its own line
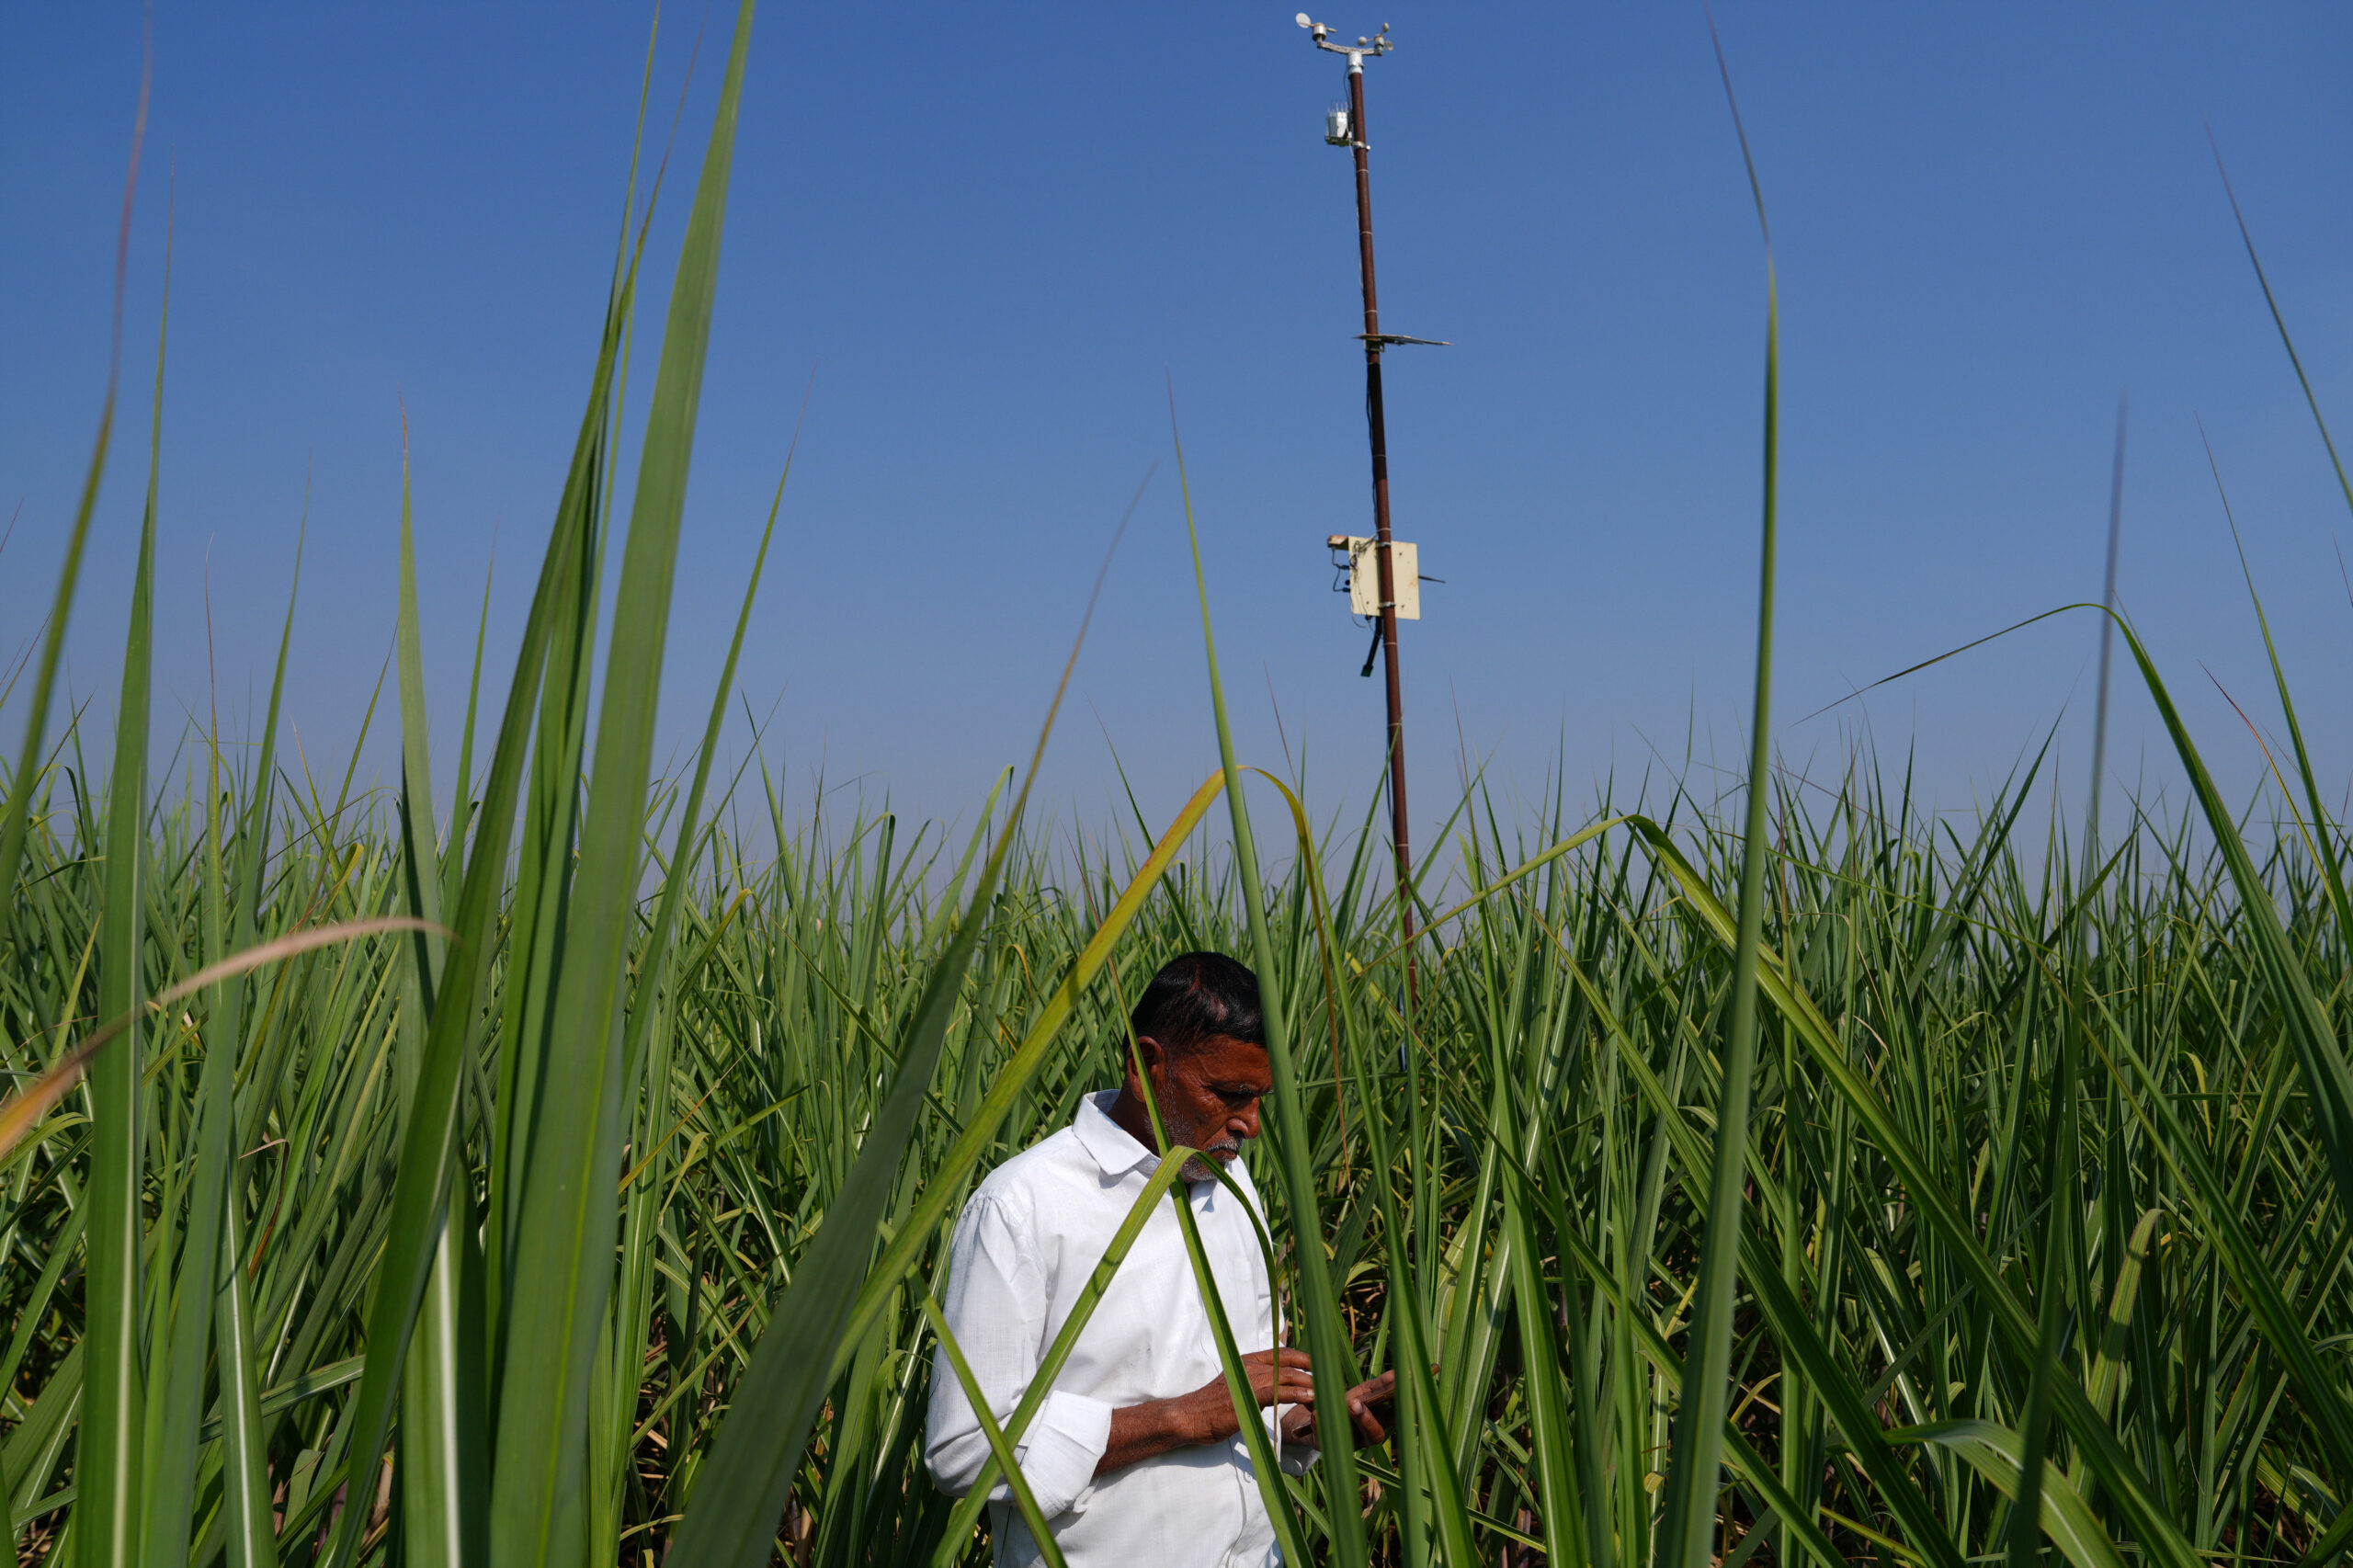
(1383, 575)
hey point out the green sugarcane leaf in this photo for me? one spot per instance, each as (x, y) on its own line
(16, 813)
(1994, 1451)
(1687, 1512)
(109, 1455)
(561, 1276)
(444, 1510)
(1327, 1336)
(249, 1536)
(429, 1148)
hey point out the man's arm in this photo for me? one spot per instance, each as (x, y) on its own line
(996, 1306)
(1140, 1432)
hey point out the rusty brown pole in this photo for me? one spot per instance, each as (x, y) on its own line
(1377, 426)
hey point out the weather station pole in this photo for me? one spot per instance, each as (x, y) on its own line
(1393, 567)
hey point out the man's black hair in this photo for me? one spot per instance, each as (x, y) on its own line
(1197, 996)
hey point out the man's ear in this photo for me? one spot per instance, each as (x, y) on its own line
(1147, 1052)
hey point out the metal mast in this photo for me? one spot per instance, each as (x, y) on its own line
(1377, 429)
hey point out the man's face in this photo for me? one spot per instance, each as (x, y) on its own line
(1208, 1097)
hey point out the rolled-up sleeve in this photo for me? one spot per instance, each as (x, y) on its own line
(1062, 1447)
(995, 1307)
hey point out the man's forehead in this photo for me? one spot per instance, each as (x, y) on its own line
(1226, 1059)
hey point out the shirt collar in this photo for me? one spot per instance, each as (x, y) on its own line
(1113, 1147)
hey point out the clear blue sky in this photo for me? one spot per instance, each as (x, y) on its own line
(992, 233)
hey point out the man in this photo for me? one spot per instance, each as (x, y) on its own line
(1135, 1459)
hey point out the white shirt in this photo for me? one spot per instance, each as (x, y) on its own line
(1024, 1248)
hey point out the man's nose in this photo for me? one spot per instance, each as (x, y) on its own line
(1243, 1123)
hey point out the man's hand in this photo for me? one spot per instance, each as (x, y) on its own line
(1206, 1415)
(1277, 1377)
(1299, 1425)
